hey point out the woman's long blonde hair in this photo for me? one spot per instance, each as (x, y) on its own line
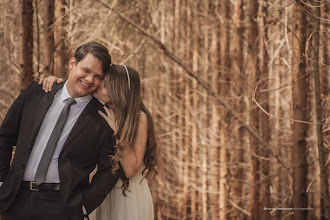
(127, 104)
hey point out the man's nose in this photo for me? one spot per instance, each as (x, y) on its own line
(89, 78)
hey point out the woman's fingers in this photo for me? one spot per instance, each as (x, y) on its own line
(109, 112)
(108, 117)
(103, 115)
(48, 83)
(44, 85)
(51, 82)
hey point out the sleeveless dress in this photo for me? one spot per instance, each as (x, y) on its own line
(137, 205)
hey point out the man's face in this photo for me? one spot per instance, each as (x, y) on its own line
(84, 77)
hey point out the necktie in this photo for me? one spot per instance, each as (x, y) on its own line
(52, 143)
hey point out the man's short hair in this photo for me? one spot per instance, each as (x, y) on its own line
(97, 50)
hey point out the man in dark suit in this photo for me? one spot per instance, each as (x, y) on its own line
(86, 141)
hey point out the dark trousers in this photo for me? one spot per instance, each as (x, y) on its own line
(31, 205)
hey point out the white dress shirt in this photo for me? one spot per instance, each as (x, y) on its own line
(46, 129)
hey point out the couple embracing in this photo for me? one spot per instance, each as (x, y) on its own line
(62, 132)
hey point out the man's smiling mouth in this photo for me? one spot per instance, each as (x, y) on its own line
(84, 84)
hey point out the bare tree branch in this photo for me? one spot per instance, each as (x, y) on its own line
(201, 82)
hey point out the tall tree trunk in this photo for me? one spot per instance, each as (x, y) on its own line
(215, 126)
(277, 125)
(46, 16)
(254, 113)
(195, 199)
(318, 112)
(178, 48)
(61, 50)
(300, 111)
(186, 209)
(205, 68)
(224, 63)
(263, 99)
(27, 21)
(240, 106)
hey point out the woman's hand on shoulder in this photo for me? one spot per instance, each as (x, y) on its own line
(47, 83)
(109, 117)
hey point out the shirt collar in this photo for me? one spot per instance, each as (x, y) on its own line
(80, 100)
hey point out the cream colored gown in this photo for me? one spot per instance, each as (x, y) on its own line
(137, 205)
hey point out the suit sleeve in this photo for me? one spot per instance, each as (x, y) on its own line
(103, 180)
(9, 132)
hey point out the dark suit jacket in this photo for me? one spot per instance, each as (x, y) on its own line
(89, 144)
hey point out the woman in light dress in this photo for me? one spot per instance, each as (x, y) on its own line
(136, 143)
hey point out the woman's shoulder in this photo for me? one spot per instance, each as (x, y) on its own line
(143, 120)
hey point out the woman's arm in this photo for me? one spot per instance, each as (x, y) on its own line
(134, 154)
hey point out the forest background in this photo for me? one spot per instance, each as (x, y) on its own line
(239, 92)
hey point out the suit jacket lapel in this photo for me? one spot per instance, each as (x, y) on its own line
(45, 102)
(82, 122)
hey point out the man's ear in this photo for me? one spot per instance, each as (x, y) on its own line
(72, 63)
